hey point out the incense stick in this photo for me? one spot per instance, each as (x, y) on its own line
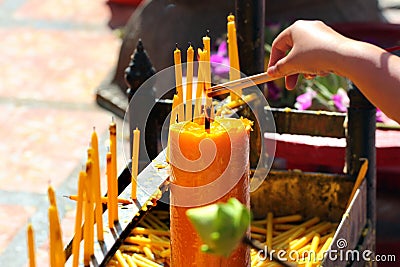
(239, 84)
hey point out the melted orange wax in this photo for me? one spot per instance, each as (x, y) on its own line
(186, 137)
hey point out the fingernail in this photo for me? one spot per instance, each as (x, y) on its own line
(271, 70)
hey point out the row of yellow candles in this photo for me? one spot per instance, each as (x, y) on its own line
(89, 202)
(184, 112)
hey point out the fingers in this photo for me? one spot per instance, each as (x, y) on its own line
(280, 46)
(291, 81)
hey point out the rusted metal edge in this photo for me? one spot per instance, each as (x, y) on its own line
(309, 122)
(344, 247)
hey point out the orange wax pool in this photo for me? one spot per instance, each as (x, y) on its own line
(206, 168)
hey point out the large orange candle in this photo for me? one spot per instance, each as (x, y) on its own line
(206, 168)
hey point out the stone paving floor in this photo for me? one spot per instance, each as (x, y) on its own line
(53, 56)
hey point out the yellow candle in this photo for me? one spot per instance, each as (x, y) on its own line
(56, 246)
(135, 161)
(227, 166)
(114, 175)
(88, 232)
(233, 53)
(324, 247)
(189, 83)
(200, 85)
(178, 82)
(207, 48)
(110, 193)
(97, 187)
(270, 217)
(51, 195)
(52, 237)
(172, 119)
(31, 246)
(57, 256)
(174, 113)
(289, 218)
(207, 84)
(78, 219)
(313, 249)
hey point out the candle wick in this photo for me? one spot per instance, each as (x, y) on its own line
(112, 118)
(176, 45)
(94, 128)
(207, 33)
(190, 43)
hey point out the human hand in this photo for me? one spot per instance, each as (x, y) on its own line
(308, 47)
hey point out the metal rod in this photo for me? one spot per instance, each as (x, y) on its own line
(361, 144)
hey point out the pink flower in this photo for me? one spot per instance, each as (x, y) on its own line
(341, 100)
(221, 57)
(304, 101)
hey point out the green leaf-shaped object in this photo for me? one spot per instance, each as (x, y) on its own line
(221, 226)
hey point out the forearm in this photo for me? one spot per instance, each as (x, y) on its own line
(374, 71)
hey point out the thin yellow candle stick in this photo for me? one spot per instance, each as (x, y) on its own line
(172, 119)
(207, 48)
(270, 217)
(114, 175)
(31, 246)
(52, 233)
(51, 195)
(135, 162)
(88, 232)
(178, 82)
(110, 193)
(57, 255)
(234, 70)
(200, 85)
(53, 221)
(78, 219)
(189, 83)
(97, 187)
(324, 247)
(314, 246)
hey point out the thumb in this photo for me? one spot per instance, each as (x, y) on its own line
(279, 69)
